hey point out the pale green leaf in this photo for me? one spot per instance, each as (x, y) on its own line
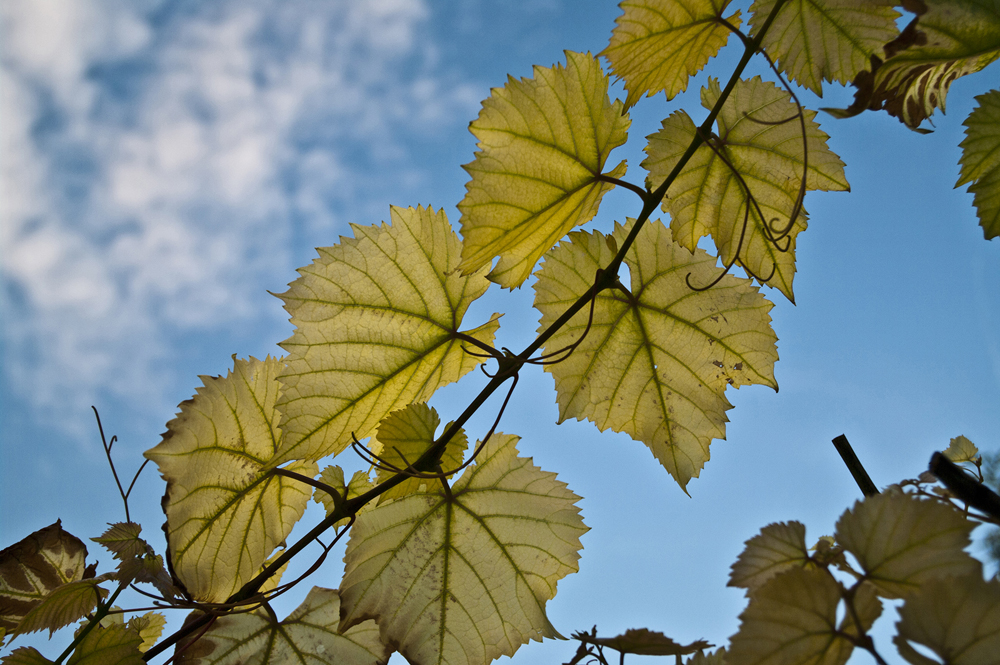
(375, 321)
(757, 146)
(658, 44)
(542, 145)
(775, 549)
(123, 540)
(791, 620)
(333, 476)
(309, 636)
(867, 607)
(659, 356)
(825, 40)
(961, 450)
(63, 606)
(958, 618)
(463, 577)
(404, 436)
(149, 626)
(147, 569)
(112, 645)
(32, 567)
(901, 542)
(981, 161)
(25, 656)
(225, 512)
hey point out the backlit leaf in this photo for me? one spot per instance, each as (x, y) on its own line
(958, 618)
(658, 44)
(961, 450)
(334, 477)
(542, 146)
(34, 566)
(225, 512)
(645, 642)
(147, 569)
(62, 606)
(464, 577)
(717, 657)
(775, 549)
(758, 143)
(404, 436)
(948, 39)
(116, 644)
(867, 607)
(825, 40)
(149, 626)
(902, 542)
(308, 636)
(659, 356)
(791, 620)
(123, 540)
(375, 321)
(981, 161)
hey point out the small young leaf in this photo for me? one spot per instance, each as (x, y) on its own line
(375, 321)
(463, 576)
(791, 620)
(828, 40)
(542, 145)
(116, 644)
(31, 568)
(645, 642)
(147, 569)
(62, 606)
(123, 540)
(717, 657)
(961, 450)
(981, 161)
(902, 542)
(775, 549)
(333, 476)
(308, 635)
(149, 626)
(404, 436)
(658, 44)
(225, 512)
(958, 618)
(657, 359)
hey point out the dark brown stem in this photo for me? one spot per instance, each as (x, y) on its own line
(854, 465)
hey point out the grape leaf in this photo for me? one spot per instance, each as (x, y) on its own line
(25, 656)
(225, 512)
(958, 618)
(149, 626)
(658, 357)
(775, 549)
(123, 540)
(791, 620)
(981, 161)
(658, 44)
(758, 147)
(645, 642)
(868, 608)
(147, 569)
(64, 605)
(116, 644)
(948, 39)
(961, 450)
(376, 320)
(828, 40)
(309, 636)
(717, 657)
(463, 576)
(334, 477)
(32, 567)
(404, 436)
(537, 174)
(901, 542)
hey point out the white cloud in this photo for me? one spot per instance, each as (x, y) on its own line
(152, 169)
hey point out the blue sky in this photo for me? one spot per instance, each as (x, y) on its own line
(165, 164)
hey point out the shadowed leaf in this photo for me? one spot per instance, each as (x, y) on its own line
(981, 161)
(775, 549)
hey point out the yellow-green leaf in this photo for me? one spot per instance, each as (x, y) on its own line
(375, 320)
(149, 626)
(147, 569)
(308, 636)
(116, 644)
(717, 657)
(542, 144)
(981, 161)
(123, 540)
(791, 620)
(659, 356)
(25, 656)
(404, 436)
(825, 40)
(775, 549)
(658, 44)
(333, 476)
(758, 146)
(225, 512)
(902, 542)
(958, 618)
(32, 567)
(961, 450)
(867, 607)
(63, 606)
(463, 577)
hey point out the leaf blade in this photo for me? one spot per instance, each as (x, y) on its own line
(980, 161)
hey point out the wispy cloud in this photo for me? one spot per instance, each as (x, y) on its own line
(158, 159)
